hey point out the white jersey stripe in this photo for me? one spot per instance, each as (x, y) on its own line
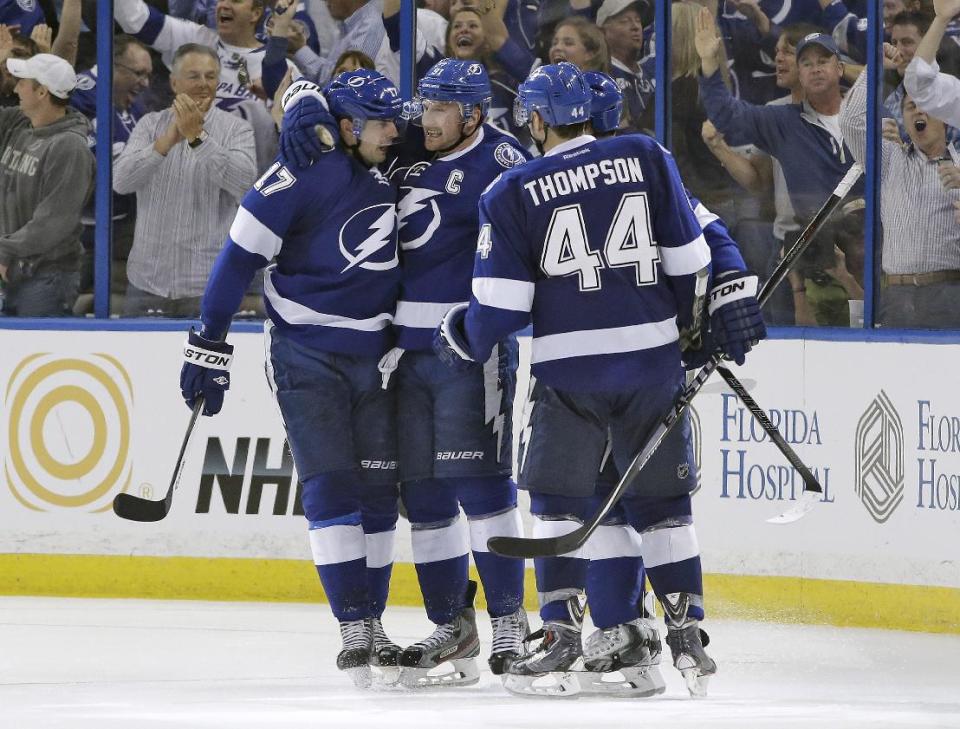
(295, 313)
(422, 314)
(504, 293)
(704, 216)
(380, 548)
(507, 524)
(588, 342)
(686, 259)
(669, 546)
(337, 544)
(435, 545)
(253, 236)
(612, 542)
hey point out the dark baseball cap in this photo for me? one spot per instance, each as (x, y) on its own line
(818, 39)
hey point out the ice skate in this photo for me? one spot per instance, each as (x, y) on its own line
(547, 670)
(509, 632)
(384, 655)
(455, 643)
(687, 642)
(622, 661)
(354, 659)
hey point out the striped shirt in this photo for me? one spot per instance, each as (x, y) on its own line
(185, 201)
(920, 233)
(362, 31)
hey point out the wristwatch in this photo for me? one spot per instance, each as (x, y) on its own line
(199, 140)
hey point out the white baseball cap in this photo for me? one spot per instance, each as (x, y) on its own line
(47, 70)
(615, 7)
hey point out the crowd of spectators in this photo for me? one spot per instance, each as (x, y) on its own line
(768, 113)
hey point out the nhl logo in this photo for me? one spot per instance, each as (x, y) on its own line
(879, 459)
(683, 470)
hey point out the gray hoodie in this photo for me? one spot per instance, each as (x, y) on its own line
(46, 176)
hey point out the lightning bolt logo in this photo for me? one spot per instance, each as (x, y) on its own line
(493, 396)
(413, 202)
(380, 234)
(526, 429)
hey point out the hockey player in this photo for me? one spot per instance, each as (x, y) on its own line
(600, 369)
(454, 427)
(568, 575)
(330, 298)
(668, 577)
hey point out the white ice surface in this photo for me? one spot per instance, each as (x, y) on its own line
(105, 664)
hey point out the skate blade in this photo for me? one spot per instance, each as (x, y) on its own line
(554, 685)
(459, 672)
(361, 676)
(386, 678)
(634, 682)
(696, 682)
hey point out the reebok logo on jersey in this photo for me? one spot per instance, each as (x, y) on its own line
(459, 455)
(368, 239)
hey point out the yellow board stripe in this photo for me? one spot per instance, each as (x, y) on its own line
(774, 599)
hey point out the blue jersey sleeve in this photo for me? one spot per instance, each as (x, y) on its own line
(263, 219)
(724, 251)
(684, 254)
(503, 275)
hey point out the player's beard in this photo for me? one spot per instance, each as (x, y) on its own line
(460, 139)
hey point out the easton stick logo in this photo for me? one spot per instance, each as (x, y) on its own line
(879, 459)
(68, 432)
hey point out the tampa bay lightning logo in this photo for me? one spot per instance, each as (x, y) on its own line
(27, 5)
(507, 155)
(419, 216)
(368, 239)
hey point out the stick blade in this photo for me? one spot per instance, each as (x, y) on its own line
(803, 506)
(133, 508)
(524, 548)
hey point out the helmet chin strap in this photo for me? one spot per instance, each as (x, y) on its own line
(354, 150)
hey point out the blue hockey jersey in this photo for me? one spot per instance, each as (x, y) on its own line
(598, 244)
(332, 229)
(438, 224)
(22, 13)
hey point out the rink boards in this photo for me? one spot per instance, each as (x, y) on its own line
(89, 414)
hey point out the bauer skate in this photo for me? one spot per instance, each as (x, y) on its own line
(687, 642)
(509, 632)
(384, 655)
(456, 643)
(354, 659)
(547, 670)
(622, 661)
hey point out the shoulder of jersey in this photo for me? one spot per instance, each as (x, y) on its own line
(506, 150)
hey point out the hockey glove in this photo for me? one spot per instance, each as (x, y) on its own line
(736, 323)
(694, 359)
(308, 129)
(450, 341)
(205, 371)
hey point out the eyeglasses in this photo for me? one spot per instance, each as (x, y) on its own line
(141, 75)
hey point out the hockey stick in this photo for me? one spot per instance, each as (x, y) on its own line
(550, 546)
(134, 508)
(812, 490)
